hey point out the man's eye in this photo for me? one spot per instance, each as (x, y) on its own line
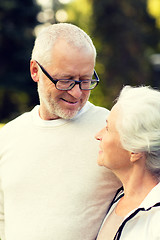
(85, 82)
(66, 81)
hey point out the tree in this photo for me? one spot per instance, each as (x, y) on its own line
(17, 22)
(125, 36)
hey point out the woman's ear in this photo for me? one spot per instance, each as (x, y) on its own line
(136, 156)
(34, 71)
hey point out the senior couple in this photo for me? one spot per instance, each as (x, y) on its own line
(51, 187)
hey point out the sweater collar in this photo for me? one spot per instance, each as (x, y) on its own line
(57, 122)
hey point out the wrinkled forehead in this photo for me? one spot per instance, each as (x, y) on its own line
(84, 46)
(68, 54)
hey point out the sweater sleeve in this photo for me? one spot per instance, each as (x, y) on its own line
(2, 231)
(2, 235)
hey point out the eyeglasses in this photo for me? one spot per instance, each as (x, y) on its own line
(67, 84)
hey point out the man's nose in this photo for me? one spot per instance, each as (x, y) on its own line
(76, 92)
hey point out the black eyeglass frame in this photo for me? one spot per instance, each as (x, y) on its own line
(75, 81)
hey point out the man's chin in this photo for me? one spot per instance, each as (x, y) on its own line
(67, 115)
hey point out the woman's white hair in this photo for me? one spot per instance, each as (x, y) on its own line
(139, 123)
(66, 31)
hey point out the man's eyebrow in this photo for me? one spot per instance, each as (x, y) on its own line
(61, 76)
(68, 76)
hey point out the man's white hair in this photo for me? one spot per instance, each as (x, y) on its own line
(139, 123)
(47, 38)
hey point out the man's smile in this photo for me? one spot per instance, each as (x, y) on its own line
(70, 102)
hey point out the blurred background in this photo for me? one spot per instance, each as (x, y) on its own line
(126, 34)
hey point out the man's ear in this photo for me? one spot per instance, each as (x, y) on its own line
(136, 156)
(34, 71)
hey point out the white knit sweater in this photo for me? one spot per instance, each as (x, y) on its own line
(51, 187)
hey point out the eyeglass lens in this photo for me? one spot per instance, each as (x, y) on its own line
(69, 84)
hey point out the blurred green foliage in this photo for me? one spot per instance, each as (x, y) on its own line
(125, 36)
(17, 22)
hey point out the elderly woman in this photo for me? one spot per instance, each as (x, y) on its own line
(130, 147)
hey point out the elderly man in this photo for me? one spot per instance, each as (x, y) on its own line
(51, 187)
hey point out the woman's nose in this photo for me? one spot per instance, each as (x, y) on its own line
(98, 135)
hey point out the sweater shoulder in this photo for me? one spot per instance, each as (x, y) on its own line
(95, 108)
(96, 111)
(16, 124)
(91, 118)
